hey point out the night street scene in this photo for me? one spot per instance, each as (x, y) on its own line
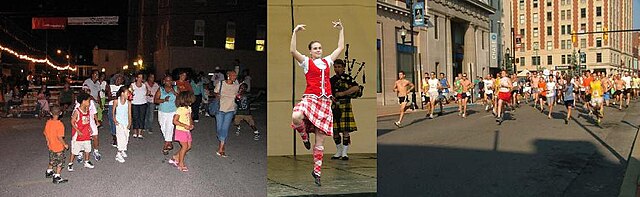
(133, 98)
(508, 98)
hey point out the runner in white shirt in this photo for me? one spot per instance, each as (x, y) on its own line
(434, 86)
(488, 92)
(627, 87)
(551, 94)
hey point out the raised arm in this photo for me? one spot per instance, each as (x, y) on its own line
(297, 55)
(338, 51)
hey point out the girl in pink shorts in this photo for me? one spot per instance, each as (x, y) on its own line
(184, 124)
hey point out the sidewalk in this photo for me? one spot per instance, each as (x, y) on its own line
(291, 176)
(630, 184)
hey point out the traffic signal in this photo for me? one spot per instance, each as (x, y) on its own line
(605, 35)
(574, 37)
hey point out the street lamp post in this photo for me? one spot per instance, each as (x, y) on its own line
(507, 61)
(403, 36)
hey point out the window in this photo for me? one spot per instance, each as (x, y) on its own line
(568, 14)
(435, 27)
(106, 57)
(583, 27)
(535, 60)
(535, 3)
(549, 45)
(522, 61)
(568, 29)
(522, 32)
(583, 12)
(598, 26)
(230, 40)
(549, 16)
(260, 37)
(598, 11)
(563, 44)
(521, 18)
(569, 44)
(564, 61)
(536, 45)
(583, 43)
(562, 32)
(521, 5)
(562, 14)
(535, 32)
(535, 17)
(549, 30)
(482, 39)
(548, 3)
(198, 33)
(598, 42)
(549, 60)
(584, 60)
(563, 2)
(598, 57)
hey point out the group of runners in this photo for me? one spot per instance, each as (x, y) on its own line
(504, 92)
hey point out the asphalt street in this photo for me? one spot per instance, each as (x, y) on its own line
(146, 171)
(528, 155)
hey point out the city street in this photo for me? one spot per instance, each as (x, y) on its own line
(528, 155)
(146, 171)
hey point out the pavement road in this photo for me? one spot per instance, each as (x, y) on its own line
(145, 173)
(528, 155)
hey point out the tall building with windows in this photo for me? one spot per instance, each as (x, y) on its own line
(199, 34)
(544, 29)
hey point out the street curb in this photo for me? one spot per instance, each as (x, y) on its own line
(423, 110)
(629, 186)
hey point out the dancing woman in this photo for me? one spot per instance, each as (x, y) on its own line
(313, 114)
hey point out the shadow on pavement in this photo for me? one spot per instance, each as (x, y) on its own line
(556, 168)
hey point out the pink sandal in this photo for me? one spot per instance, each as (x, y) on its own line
(173, 162)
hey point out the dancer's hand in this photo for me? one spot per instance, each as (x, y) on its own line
(337, 24)
(299, 27)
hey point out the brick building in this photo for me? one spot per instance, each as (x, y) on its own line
(545, 28)
(199, 34)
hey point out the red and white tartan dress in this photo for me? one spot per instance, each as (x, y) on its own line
(316, 102)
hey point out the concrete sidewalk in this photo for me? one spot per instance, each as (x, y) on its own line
(630, 182)
(291, 176)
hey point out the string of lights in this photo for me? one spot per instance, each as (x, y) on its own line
(45, 61)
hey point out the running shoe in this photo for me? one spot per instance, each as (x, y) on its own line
(124, 154)
(140, 137)
(119, 158)
(196, 121)
(97, 156)
(48, 174)
(135, 135)
(566, 121)
(88, 164)
(70, 167)
(397, 124)
(431, 116)
(256, 137)
(238, 131)
(59, 179)
(79, 157)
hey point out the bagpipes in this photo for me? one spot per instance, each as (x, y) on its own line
(349, 65)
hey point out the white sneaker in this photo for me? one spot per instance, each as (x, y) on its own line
(135, 135)
(256, 132)
(88, 164)
(124, 154)
(196, 120)
(119, 158)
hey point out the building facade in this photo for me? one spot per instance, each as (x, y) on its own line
(635, 48)
(199, 34)
(110, 60)
(457, 42)
(545, 27)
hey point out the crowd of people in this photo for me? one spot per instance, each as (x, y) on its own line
(505, 92)
(126, 104)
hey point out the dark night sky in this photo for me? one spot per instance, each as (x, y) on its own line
(80, 39)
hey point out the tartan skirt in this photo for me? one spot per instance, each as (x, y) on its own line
(343, 119)
(317, 111)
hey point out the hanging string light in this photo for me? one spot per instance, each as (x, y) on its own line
(45, 61)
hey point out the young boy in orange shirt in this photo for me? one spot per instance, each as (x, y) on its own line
(53, 133)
